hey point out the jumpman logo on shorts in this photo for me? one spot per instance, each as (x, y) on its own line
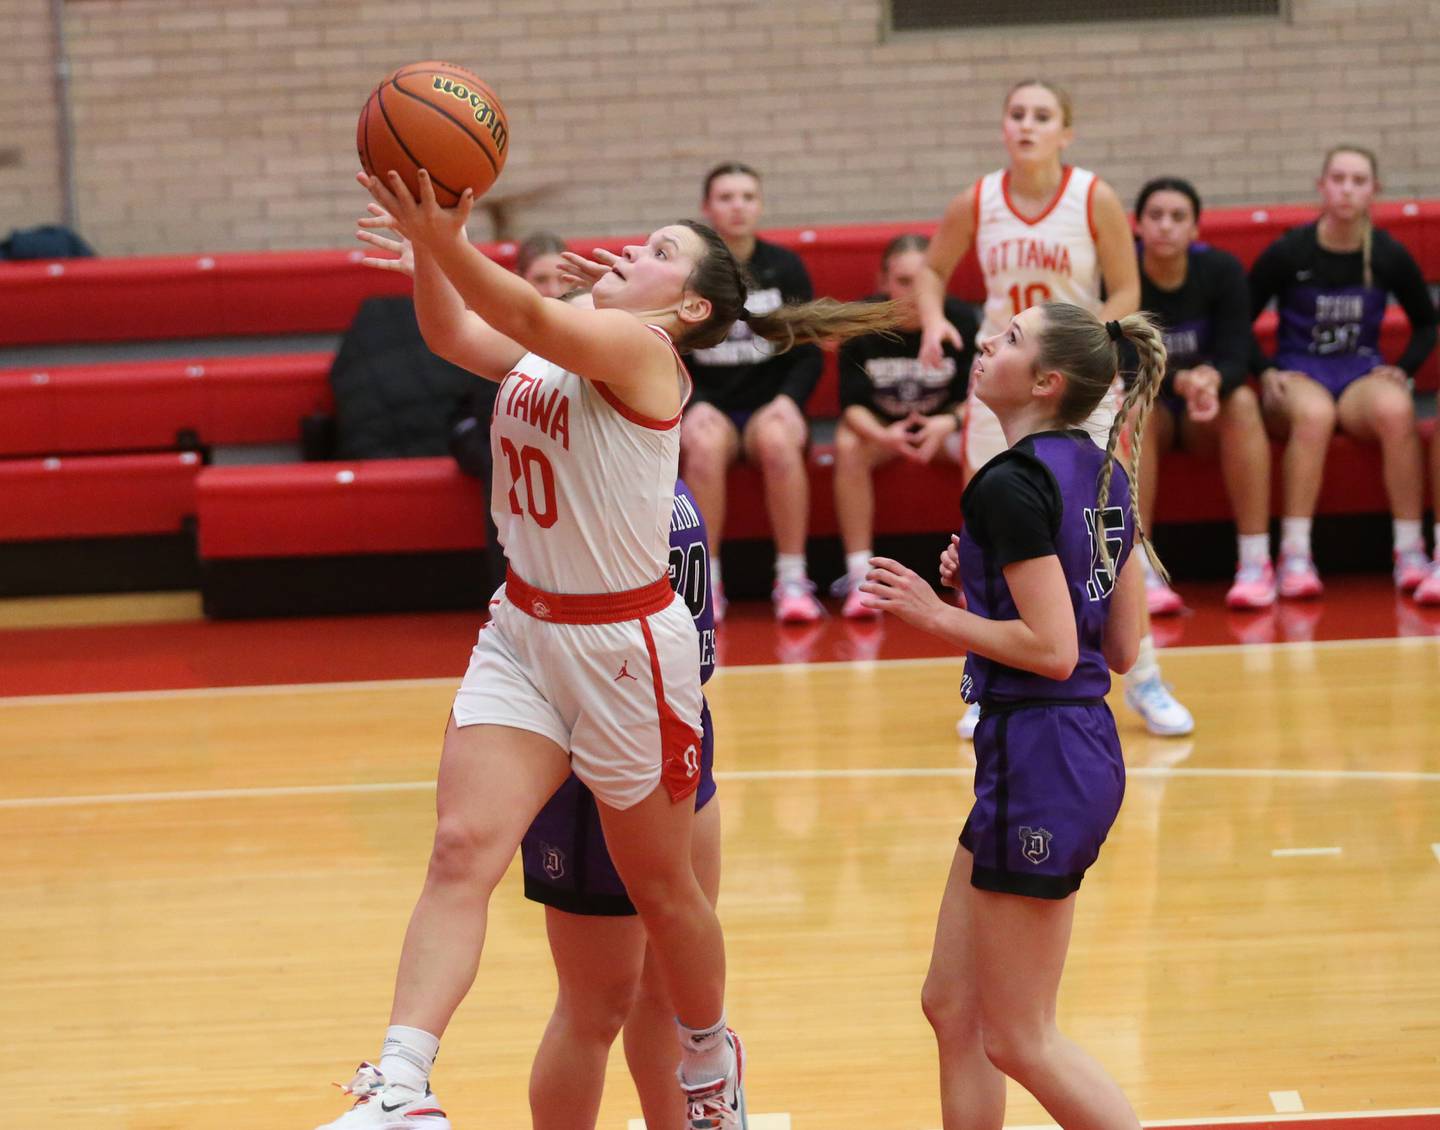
(625, 672)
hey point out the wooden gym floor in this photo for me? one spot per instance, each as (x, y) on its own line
(206, 885)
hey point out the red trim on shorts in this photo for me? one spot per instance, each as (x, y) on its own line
(680, 743)
(639, 417)
(1065, 170)
(587, 608)
(1090, 208)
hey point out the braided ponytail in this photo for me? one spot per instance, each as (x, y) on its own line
(1133, 414)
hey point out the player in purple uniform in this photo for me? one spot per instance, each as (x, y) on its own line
(1331, 280)
(1198, 295)
(596, 939)
(1056, 601)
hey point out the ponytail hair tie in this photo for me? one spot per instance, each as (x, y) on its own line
(1115, 331)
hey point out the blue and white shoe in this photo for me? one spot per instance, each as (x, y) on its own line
(1162, 711)
(719, 1105)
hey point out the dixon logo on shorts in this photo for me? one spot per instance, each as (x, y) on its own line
(691, 758)
(540, 609)
(1035, 844)
(552, 859)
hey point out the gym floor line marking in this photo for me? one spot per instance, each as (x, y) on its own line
(779, 1121)
(253, 792)
(362, 685)
(1436, 849)
(1290, 853)
(1286, 1102)
(1270, 1119)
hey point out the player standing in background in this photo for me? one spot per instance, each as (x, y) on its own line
(1043, 231)
(1049, 528)
(750, 399)
(1199, 296)
(892, 405)
(1331, 280)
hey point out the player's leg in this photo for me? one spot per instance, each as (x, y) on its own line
(1020, 948)
(709, 444)
(1306, 416)
(972, 1089)
(1244, 453)
(1160, 432)
(492, 781)
(855, 461)
(650, 1048)
(1428, 591)
(1382, 411)
(597, 964)
(775, 440)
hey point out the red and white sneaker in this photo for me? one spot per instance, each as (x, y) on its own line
(1254, 588)
(1298, 578)
(1411, 568)
(385, 1106)
(719, 1104)
(795, 602)
(1160, 598)
(1427, 592)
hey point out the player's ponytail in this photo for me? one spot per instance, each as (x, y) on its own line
(1076, 344)
(720, 279)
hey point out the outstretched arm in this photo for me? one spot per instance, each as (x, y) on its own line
(451, 331)
(609, 346)
(952, 239)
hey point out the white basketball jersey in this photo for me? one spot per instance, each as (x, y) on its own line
(583, 485)
(1027, 262)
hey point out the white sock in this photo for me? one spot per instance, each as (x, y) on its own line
(790, 567)
(407, 1056)
(705, 1053)
(858, 564)
(1146, 667)
(1407, 535)
(1295, 536)
(1254, 550)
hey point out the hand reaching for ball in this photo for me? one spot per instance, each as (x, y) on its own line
(400, 252)
(421, 221)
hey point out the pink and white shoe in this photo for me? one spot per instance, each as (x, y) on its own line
(1427, 592)
(1411, 568)
(1160, 598)
(795, 602)
(1254, 588)
(855, 607)
(387, 1106)
(1298, 578)
(720, 1103)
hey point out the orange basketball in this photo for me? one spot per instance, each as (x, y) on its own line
(437, 117)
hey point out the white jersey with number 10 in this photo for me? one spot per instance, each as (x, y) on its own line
(583, 485)
(1049, 258)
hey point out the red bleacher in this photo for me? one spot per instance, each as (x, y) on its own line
(93, 420)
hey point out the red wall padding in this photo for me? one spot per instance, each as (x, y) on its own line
(95, 497)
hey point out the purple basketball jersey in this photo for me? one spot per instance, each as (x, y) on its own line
(1072, 461)
(690, 571)
(1330, 333)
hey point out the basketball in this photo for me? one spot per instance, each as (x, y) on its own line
(438, 117)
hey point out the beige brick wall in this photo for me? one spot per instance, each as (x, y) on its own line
(203, 124)
(29, 152)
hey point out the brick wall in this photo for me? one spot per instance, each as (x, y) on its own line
(29, 152)
(215, 125)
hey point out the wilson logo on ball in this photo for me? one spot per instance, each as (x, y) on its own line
(484, 113)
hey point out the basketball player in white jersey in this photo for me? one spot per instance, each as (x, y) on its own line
(1043, 231)
(590, 662)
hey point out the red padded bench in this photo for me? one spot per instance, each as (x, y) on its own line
(319, 291)
(100, 496)
(145, 405)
